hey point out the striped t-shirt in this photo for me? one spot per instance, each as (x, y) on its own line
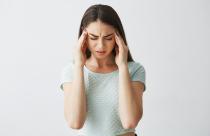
(102, 98)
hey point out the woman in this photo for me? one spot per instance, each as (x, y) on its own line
(103, 86)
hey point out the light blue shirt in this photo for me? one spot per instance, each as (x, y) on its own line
(102, 98)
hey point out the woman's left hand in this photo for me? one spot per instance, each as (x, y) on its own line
(121, 50)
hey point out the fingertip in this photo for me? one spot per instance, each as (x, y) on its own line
(116, 32)
(84, 33)
(115, 35)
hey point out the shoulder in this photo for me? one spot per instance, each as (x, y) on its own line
(68, 66)
(134, 65)
(137, 72)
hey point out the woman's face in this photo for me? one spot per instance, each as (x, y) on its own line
(101, 39)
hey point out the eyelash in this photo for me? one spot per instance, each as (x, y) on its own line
(96, 39)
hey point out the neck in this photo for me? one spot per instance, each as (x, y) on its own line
(100, 63)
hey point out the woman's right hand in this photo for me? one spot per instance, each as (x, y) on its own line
(80, 49)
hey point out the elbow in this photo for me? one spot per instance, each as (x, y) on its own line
(132, 123)
(75, 125)
(129, 125)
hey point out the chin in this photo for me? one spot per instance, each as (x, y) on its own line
(99, 56)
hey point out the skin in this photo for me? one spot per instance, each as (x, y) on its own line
(99, 36)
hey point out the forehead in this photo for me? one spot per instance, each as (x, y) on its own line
(99, 28)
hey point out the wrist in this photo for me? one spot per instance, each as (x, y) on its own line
(123, 66)
(78, 66)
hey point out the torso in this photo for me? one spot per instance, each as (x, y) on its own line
(107, 70)
(102, 70)
(128, 134)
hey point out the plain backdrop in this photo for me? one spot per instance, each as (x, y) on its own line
(170, 38)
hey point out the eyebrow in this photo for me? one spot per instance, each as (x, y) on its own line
(104, 36)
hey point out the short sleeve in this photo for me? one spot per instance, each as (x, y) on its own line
(138, 73)
(66, 75)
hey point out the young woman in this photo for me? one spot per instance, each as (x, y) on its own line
(103, 86)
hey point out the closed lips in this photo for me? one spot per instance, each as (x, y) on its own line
(101, 51)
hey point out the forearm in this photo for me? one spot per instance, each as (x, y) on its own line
(128, 109)
(76, 101)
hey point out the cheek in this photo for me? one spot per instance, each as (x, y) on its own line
(91, 44)
(111, 44)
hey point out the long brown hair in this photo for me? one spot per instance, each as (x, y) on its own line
(107, 15)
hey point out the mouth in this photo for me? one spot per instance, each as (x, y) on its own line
(101, 52)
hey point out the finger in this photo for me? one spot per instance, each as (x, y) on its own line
(84, 47)
(82, 38)
(119, 43)
(117, 33)
(85, 40)
(116, 38)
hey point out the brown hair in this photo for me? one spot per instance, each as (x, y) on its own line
(107, 15)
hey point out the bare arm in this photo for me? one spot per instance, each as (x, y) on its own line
(75, 100)
(130, 99)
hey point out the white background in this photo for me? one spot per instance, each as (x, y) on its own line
(169, 37)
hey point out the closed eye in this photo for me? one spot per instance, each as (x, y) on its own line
(109, 39)
(93, 38)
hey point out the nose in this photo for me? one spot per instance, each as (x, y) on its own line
(100, 44)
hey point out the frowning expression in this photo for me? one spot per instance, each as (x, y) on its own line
(100, 40)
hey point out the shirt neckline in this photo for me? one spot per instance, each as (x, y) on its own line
(97, 73)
